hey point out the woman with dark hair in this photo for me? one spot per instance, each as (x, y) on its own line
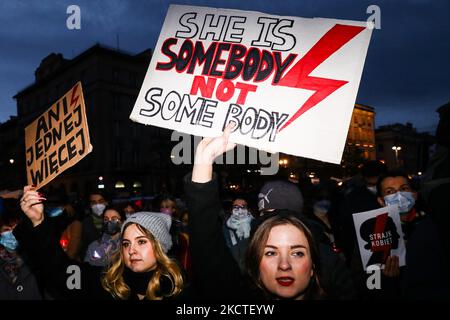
(281, 261)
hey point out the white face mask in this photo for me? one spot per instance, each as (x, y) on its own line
(240, 212)
(98, 209)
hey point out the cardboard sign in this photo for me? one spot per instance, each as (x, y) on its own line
(58, 139)
(289, 83)
(380, 235)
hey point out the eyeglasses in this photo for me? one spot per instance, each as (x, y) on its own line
(239, 207)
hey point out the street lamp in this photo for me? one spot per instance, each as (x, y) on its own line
(396, 149)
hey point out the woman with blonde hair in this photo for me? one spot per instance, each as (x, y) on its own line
(140, 269)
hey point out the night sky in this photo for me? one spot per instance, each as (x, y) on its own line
(406, 75)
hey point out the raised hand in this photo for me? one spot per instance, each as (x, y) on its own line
(31, 204)
(207, 150)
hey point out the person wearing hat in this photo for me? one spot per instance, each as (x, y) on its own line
(140, 269)
(282, 260)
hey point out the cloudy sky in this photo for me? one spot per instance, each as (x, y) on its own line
(406, 75)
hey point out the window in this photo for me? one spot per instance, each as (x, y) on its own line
(116, 128)
(119, 185)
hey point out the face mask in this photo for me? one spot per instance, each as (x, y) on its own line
(403, 199)
(98, 209)
(54, 212)
(8, 240)
(111, 227)
(372, 189)
(321, 207)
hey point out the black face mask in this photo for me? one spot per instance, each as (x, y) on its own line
(111, 227)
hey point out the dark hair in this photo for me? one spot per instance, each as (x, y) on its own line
(255, 252)
(391, 174)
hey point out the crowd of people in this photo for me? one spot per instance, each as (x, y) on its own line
(292, 247)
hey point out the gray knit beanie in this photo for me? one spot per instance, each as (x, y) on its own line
(158, 224)
(280, 195)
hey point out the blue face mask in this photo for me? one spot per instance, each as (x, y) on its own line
(8, 240)
(403, 199)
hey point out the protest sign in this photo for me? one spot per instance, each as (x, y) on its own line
(289, 83)
(380, 235)
(57, 139)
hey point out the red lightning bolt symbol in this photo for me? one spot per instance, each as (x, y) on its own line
(74, 99)
(298, 76)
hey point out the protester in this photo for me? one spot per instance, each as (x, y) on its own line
(140, 270)
(284, 195)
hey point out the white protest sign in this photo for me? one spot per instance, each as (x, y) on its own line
(380, 235)
(289, 83)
